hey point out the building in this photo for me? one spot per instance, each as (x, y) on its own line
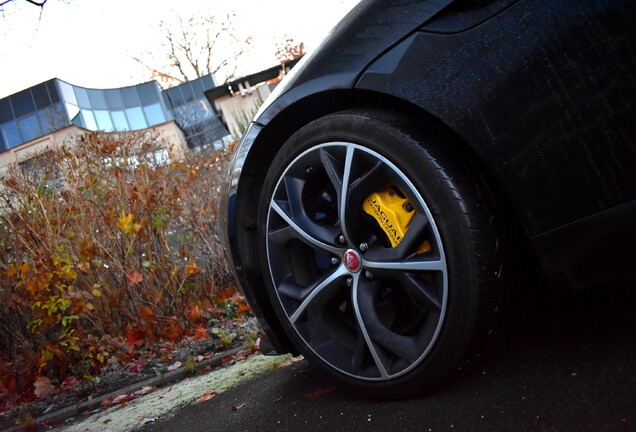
(196, 114)
(55, 111)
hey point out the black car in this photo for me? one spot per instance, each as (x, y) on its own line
(378, 198)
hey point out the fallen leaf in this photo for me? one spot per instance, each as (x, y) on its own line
(134, 278)
(137, 367)
(201, 333)
(146, 420)
(206, 396)
(291, 361)
(145, 390)
(205, 369)
(174, 366)
(167, 357)
(43, 387)
(191, 268)
(122, 398)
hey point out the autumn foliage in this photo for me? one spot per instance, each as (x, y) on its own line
(105, 247)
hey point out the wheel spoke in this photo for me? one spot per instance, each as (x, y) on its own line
(314, 291)
(401, 346)
(333, 169)
(309, 238)
(363, 328)
(413, 238)
(372, 180)
(423, 293)
(343, 195)
(417, 264)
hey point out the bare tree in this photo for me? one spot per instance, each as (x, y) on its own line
(194, 47)
(39, 3)
(287, 49)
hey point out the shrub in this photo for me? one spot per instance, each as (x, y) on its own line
(104, 244)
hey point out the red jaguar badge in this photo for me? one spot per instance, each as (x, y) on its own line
(352, 261)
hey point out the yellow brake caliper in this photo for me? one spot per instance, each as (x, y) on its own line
(393, 213)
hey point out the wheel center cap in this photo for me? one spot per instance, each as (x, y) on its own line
(352, 261)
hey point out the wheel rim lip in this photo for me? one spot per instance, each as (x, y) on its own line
(357, 274)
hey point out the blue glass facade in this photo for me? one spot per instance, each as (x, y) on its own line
(55, 104)
(192, 111)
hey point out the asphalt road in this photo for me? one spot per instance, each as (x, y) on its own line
(564, 365)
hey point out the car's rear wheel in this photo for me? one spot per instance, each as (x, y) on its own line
(381, 249)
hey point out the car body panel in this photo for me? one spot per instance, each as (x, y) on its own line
(543, 93)
(536, 101)
(364, 34)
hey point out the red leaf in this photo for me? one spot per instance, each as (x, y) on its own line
(206, 396)
(201, 333)
(225, 295)
(137, 367)
(147, 313)
(136, 338)
(134, 278)
(205, 369)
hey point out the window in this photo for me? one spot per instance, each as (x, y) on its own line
(98, 101)
(175, 97)
(154, 114)
(113, 97)
(11, 134)
(30, 127)
(188, 94)
(82, 98)
(119, 118)
(67, 93)
(52, 118)
(73, 114)
(6, 112)
(55, 97)
(22, 103)
(41, 96)
(130, 97)
(136, 118)
(148, 93)
(88, 120)
(208, 83)
(103, 120)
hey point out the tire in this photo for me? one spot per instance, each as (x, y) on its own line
(388, 320)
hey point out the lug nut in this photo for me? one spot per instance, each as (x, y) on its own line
(364, 247)
(309, 169)
(369, 275)
(341, 239)
(349, 282)
(335, 261)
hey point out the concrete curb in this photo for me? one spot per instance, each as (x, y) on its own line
(163, 379)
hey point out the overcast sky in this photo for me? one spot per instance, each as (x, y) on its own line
(91, 43)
